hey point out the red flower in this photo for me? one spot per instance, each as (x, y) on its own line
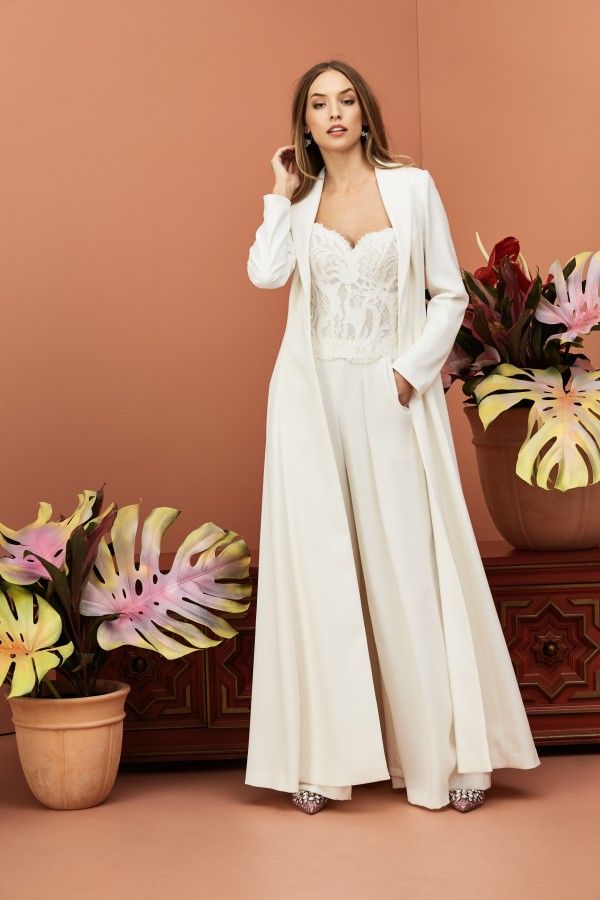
(489, 274)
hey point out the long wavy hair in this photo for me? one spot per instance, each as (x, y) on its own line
(309, 160)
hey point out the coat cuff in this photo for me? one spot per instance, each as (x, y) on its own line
(274, 199)
(411, 373)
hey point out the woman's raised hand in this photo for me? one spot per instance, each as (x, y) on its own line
(287, 177)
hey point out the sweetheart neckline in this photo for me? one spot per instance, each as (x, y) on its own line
(345, 239)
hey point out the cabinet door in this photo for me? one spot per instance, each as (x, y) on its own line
(196, 707)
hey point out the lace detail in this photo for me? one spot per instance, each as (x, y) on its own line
(354, 295)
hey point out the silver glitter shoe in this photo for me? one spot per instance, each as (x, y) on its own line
(465, 799)
(309, 802)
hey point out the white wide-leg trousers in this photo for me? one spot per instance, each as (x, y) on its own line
(386, 499)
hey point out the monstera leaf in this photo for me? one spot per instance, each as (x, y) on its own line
(566, 421)
(41, 537)
(164, 611)
(25, 644)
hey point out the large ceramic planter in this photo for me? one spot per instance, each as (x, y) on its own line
(70, 747)
(527, 516)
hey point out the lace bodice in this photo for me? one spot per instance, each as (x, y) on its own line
(354, 295)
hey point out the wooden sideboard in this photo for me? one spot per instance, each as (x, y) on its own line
(549, 608)
(198, 707)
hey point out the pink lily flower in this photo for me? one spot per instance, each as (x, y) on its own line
(577, 310)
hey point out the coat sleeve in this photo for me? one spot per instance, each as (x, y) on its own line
(424, 360)
(272, 256)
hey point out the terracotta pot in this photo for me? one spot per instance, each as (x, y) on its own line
(527, 516)
(70, 747)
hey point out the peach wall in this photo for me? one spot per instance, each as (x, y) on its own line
(135, 145)
(508, 99)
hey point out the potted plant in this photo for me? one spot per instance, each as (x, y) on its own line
(533, 397)
(70, 592)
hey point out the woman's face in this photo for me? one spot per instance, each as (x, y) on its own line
(333, 101)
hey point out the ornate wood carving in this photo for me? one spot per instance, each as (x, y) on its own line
(198, 707)
(195, 707)
(549, 608)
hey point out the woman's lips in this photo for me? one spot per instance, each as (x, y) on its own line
(338, 131)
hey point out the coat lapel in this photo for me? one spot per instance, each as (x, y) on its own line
(395, 194)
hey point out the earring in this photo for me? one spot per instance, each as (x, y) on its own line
(307, 140)
(364, 131)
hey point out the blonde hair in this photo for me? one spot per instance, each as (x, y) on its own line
(309, 159)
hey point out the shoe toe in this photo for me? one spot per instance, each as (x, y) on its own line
(309, 802)
(466, 799)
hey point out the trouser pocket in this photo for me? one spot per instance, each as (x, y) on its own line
(393, 386)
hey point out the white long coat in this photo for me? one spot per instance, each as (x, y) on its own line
(310, 638)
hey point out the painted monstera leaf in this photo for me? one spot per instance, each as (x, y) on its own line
(563, 428)
(43, 537)
(26, 640)
(164, 611)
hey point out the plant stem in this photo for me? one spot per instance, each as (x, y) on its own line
(51, 687)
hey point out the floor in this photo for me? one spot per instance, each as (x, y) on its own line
(197, 830)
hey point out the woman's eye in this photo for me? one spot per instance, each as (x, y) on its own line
(349, 100)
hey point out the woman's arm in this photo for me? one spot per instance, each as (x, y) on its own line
(272, 256)
(422, 362)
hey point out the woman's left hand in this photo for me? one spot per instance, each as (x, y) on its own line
(405, 388)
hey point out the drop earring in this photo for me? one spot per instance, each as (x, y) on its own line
(364, 131)
(307, 140)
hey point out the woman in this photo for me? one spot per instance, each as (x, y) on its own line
(378, 649)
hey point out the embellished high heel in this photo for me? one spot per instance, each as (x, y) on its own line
(309, 802)
(465, 799)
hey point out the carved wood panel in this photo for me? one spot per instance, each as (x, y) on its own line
(195, 707)
(549, 608)
(198, 707)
